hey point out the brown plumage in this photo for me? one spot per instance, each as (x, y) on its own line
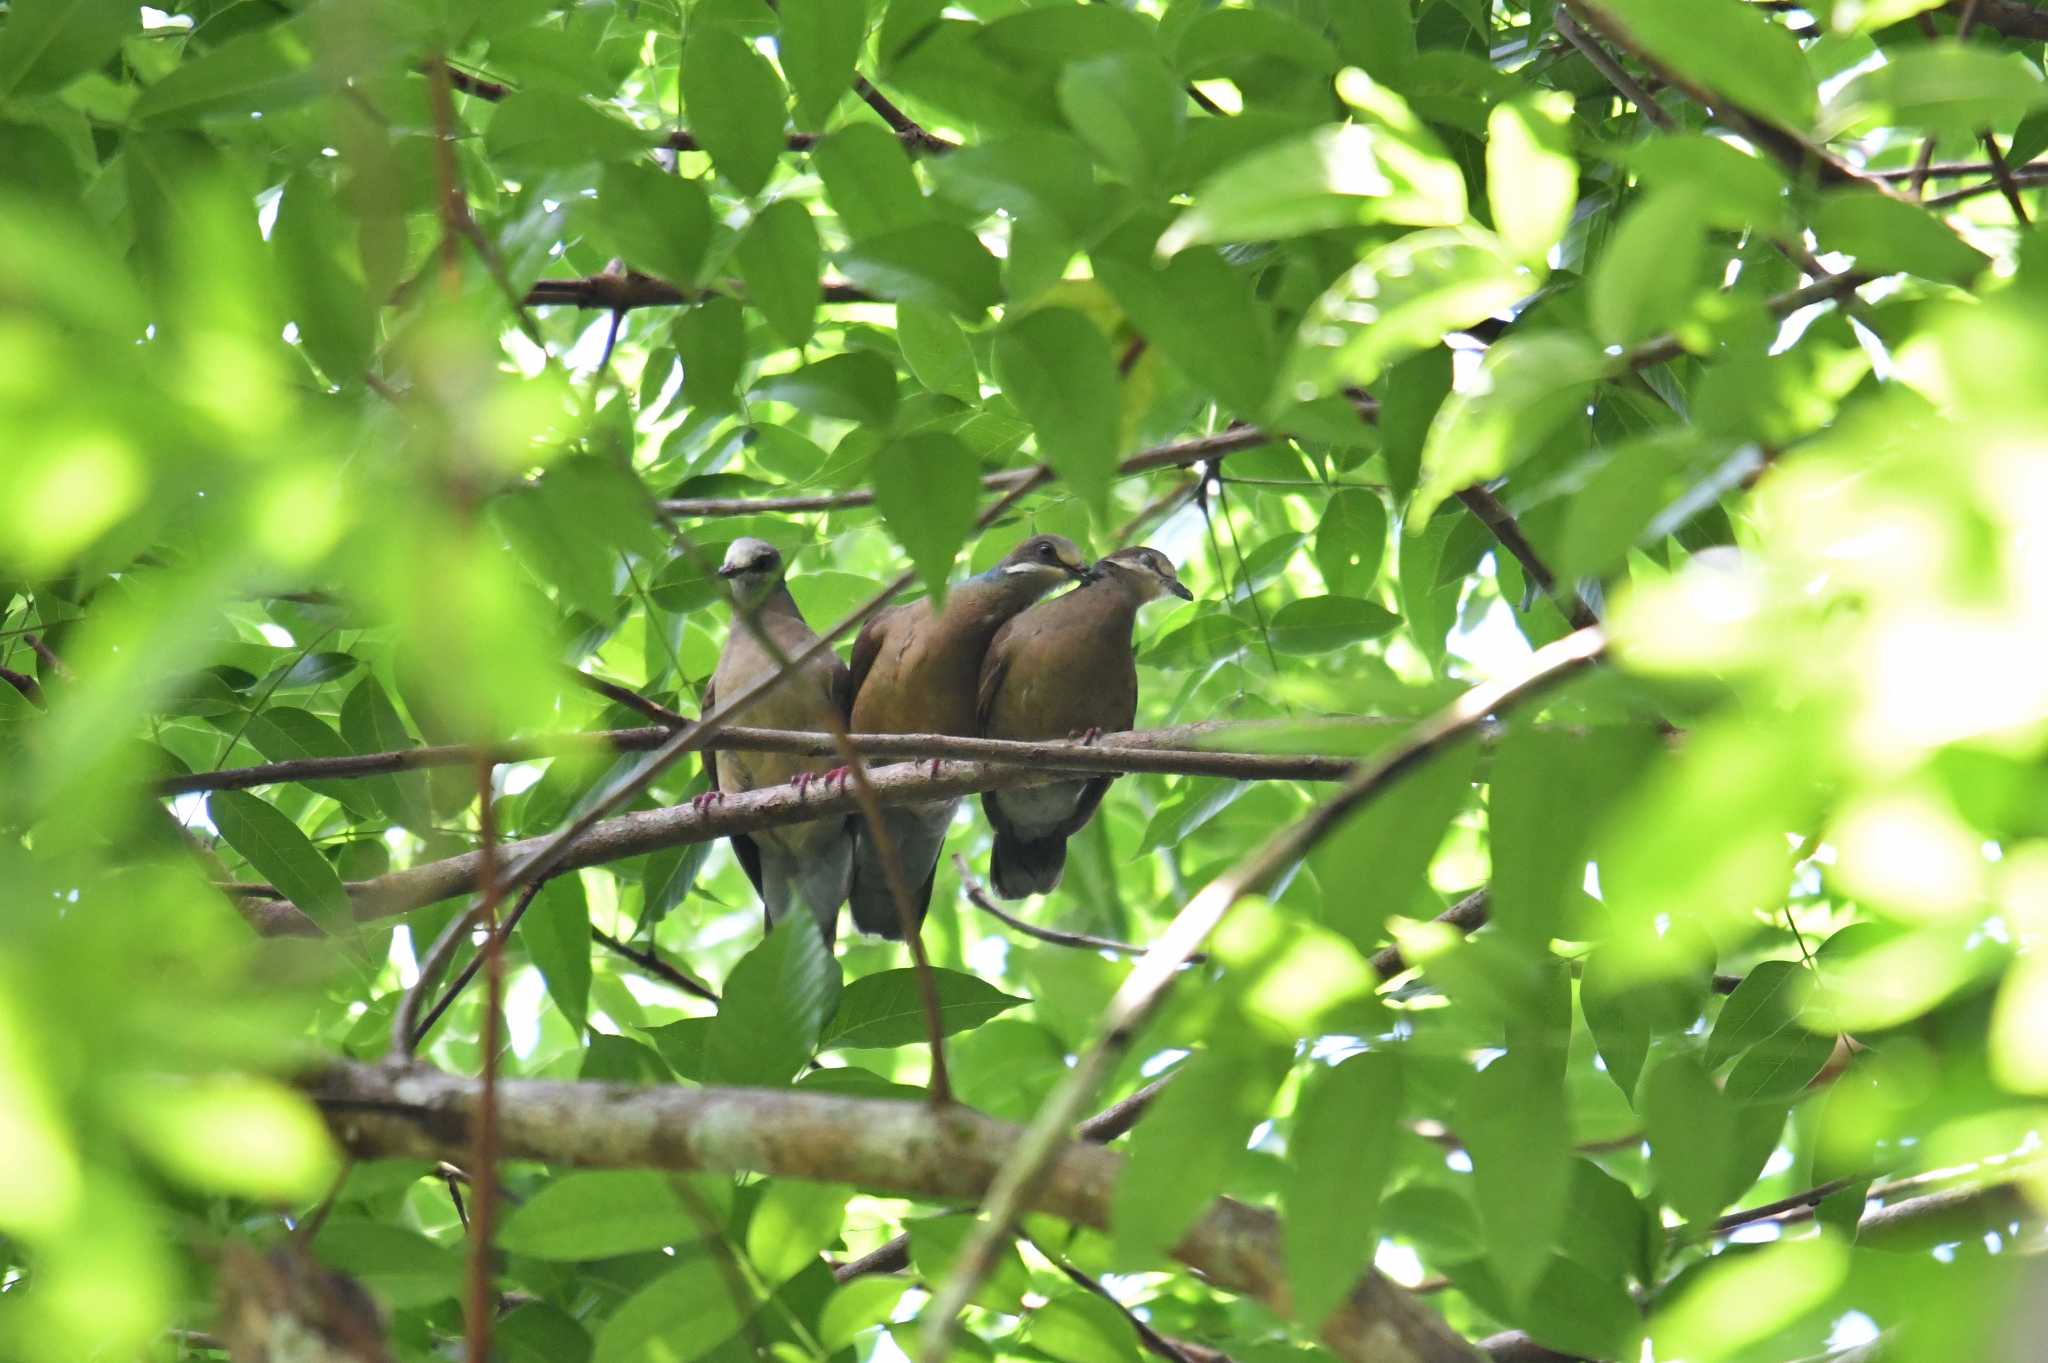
(1063, 668)
(915, 671)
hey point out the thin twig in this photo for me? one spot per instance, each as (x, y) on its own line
(1628, 86)
(1498, 519)
(628, 697)
(469, 970)
(2001, 172)
(479, 1309)
(56, 665)
(1153, 1341)
(981, 899)
(1146, 985)
(654, 965)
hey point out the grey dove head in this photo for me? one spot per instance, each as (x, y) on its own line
(752, 567)
(1046, 558)
(1144, 570)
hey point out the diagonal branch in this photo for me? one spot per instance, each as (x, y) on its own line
(1141, 993)
(902, 1148)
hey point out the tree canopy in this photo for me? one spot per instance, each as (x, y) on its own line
(1577, 881)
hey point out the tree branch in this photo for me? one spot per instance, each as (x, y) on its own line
(1179, 454)
(632, 289)
(907, 1149)
(981, 899)
(1143, 750)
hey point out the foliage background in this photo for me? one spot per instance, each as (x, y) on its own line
(365, 363)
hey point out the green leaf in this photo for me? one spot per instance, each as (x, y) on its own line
(734, 101)
(1080, 1327)
(1530, 388)
(1320, 624)
(599, 1214)
(1532, 179)
(1887, 234)
(937, 351)
(1518, 1133)
(926, 488)
(1612, 512)
(1411, 396)
(315, 242)
(1748, 190)
(712, 342)
(556, 933)
(1342, 175)
(371, 724)
(1693, 1135)
(655, 222)
(262, 72)
(819, 42)
(1375, 861)
(535, 1332)
(1201, 314)
(935, 1244)
(1767, 1001)
(1127, 107)
(47, 42)
(1184, 1146)
(1944, 87)
(778, 261)
(402, 1267)
(886, 1009)
(1402, 298)
(774, 1007)
(858, 385)
(1727, 47)
(538, 131)
(940, 264)
(1549, 792)
(1654, 264)
(868, 178)
(1219, 40)
(1058, 369)
(1779, 1068)
(282, 855)
(858, 1306)
(1351, 541)
(1628, 996)
(680, 1316)
(285, 734)
(1042, 178)
(1346, 1127)
(793, 1223)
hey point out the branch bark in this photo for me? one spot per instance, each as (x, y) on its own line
(907, 1149)
(1155, 750)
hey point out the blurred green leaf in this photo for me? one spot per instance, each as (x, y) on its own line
(1201, 314)
(1515, 1125)
(1185, 1144)
(48, 42)
(1342, 1150)
(657, 223)
(735, 104)
(1319, 624)
(938, 264)
(1080, 1327)
(539, 131)
(1727, 47)
(818, 43)
(601, 1213)
(869, 180)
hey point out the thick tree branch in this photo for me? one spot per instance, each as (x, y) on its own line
(1154, 750)
(906, 1149)
(2013, 18)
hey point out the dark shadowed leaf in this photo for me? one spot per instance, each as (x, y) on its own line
(1342, 1151)
(281, 854)
(735, 102)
